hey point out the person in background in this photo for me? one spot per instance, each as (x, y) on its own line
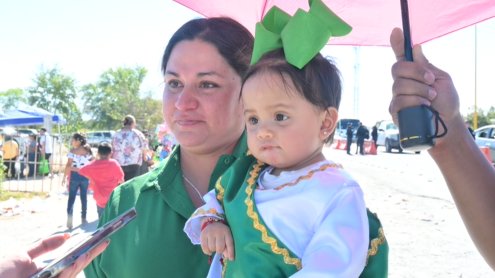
(468, 126)
(10, 149)
(46, 147)
(349, 135)
(468, 174)
(128, 146)
(104, 175)
(79, 155)
(22, 265)
(30, 156)
(374, 134)
(362, 133)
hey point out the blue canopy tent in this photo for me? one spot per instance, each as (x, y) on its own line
(29, 115)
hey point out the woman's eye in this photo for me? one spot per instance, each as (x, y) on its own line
(281, 117)
(208, 85)
(173, 84)
(253, 120)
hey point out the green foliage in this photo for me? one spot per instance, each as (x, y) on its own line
(57, 93)
(483, 118)
(148, 113)
(106, 102)
(115, 95)
(11, 97)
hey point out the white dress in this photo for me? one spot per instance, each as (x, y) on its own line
(320, 216)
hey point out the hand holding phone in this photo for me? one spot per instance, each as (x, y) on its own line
(85, 246)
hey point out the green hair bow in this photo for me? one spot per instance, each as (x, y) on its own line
(302, 36)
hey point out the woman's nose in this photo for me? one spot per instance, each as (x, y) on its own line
(187, 99)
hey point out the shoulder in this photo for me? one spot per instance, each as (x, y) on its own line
(334, 177)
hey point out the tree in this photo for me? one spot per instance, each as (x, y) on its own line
(11, 97)
(56, 93)
(483, 119)
(148, 113)
(115, 95)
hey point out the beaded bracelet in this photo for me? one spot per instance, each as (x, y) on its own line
(210, 220)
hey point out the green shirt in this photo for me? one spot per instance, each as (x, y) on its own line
(154, 244)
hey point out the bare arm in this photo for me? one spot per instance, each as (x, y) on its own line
(468, 174)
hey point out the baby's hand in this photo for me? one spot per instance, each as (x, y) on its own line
(216, 238)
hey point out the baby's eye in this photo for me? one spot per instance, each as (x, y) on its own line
(281, 117)
(252, 120)
(208, 85)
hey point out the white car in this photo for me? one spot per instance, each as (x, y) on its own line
(388, 136)
(485, 137)
(95, 138)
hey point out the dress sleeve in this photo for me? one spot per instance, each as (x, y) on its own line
(339, 245)
(211, 208)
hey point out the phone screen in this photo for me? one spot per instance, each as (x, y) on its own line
(86, 245)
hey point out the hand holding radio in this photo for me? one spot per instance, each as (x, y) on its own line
(420, 83)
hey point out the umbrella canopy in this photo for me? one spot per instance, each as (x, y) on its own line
(372, 20)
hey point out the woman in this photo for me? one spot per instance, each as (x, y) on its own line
(128, 146)
(202, 65)
(79, 155)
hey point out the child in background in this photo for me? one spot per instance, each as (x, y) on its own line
(104, 174)
(295, 213)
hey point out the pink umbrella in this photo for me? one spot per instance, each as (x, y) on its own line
(371, 20)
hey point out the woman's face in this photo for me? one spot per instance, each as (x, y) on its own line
(75, 143)
(201, 97)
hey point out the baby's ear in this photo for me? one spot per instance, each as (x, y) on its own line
(329, 122)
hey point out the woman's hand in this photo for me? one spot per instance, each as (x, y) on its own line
(216, 238)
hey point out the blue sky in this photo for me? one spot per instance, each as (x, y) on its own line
(85, 38)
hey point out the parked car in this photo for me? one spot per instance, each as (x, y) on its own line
(388, 136)
(97, 137)
(341, 128)
(485, 137)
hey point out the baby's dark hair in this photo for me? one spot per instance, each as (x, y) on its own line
(318, 81)
(104, 149)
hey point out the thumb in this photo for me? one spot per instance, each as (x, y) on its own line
(47, 244)
(397, 44)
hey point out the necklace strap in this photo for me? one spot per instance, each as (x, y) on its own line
(193, 187)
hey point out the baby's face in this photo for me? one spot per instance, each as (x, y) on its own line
(283, 128)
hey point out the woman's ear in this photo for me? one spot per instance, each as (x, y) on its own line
(329, 122)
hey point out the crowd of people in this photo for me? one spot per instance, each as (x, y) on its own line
(20, 154)
(229, 196)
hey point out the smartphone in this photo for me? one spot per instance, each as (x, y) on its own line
(86, 245)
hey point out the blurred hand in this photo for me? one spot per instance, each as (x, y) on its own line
(23, 265)
(216, 238)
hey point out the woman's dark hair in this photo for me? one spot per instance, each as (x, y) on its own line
(232, 40)
(79, 137)
(318, 81)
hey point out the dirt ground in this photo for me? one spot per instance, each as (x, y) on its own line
(426, 235)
